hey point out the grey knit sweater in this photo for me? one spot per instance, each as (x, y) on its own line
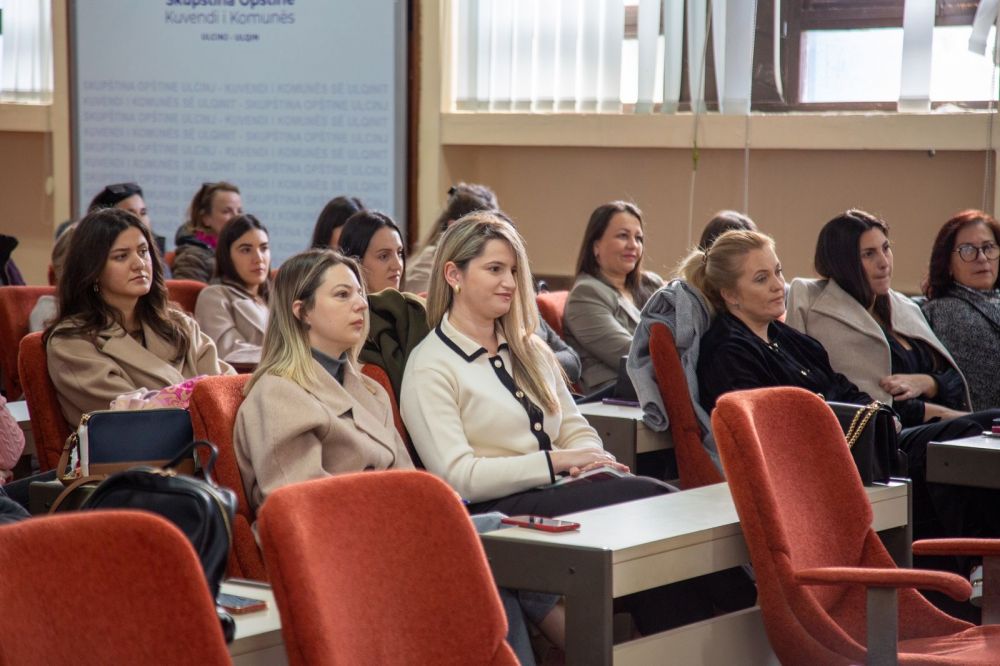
(967, 321)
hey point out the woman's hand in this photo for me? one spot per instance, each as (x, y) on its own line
(932, 410)
(905, 387)
(576, 461)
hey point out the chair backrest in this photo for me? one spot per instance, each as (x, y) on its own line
(16, 304)
(48, 425)
(693, 463)
(169, 257)
(373, 371)
(801, 505)
(185, 293)
(105, 587)
(552, 306)
(380, 568)
(214, 404)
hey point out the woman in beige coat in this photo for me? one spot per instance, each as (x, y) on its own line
(115, 332)
(309, 413)
(233, 312)
(875, 336)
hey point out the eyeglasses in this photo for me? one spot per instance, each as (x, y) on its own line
(970, 253)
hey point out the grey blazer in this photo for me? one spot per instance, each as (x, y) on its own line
(598, 324)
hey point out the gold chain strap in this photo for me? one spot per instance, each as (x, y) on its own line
(860, 420)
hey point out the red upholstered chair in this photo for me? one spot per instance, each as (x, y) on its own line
(105, 587)
(169, 257)
(213, 407)
(378, 374)
(552, 306)
(807, 524)
(693, 463)
(363, 576)
(48, 426)
(185, 293)
(16, 304)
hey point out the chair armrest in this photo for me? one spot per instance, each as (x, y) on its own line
(954, 586)
(962, 547)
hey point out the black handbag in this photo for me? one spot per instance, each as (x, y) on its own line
(870, 431)
(200, 508)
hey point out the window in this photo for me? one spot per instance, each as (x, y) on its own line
(613, 55)
(26, 51)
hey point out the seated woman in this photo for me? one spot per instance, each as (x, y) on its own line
(963, 301)
(115, 332)
(233, 312)
(875, 336)
(602, 310)
(46, 307)
(463, 198)
(373, 239)
(747, 347)
(310, 413)
(483, 398)
(127, 196)
(329, 224)
(213, 205)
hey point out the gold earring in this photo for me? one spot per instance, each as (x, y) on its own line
(458, 289)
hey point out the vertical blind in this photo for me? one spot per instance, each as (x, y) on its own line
(566, 55)
(26, 50)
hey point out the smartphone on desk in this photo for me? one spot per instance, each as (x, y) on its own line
(541, 523)
(238, 605)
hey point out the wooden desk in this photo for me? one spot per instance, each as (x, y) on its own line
(623, 432)
(644, 544)
(258, 639)
(972, 461)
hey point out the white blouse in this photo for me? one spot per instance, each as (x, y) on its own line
(472, 426)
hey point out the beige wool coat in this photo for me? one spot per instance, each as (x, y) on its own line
(286, 433)
(234, 320)
(853, 339)
(89, 373)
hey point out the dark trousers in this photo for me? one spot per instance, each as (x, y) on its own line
(573, 497)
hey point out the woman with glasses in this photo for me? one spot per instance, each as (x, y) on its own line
(963, 302)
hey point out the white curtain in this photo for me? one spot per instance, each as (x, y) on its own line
(26, 58)
(918, 40)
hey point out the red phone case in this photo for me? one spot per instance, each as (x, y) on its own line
(535, 523)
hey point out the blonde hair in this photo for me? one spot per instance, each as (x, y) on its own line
(461, 243)
(286, 350)
(720, 266)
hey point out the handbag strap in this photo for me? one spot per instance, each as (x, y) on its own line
(860, 421)
(189, 450)
(71, 488)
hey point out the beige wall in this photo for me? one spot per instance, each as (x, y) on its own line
(550, 192)
(25, 208)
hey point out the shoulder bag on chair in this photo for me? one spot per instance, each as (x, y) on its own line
(110, 441)
(200, 508)
(870, 431)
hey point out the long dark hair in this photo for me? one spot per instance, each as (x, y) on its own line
(83, 311)
(359, 229)
(586, 262)
(225, 269)
(838, 258)
(939, 277)
(332, 217)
